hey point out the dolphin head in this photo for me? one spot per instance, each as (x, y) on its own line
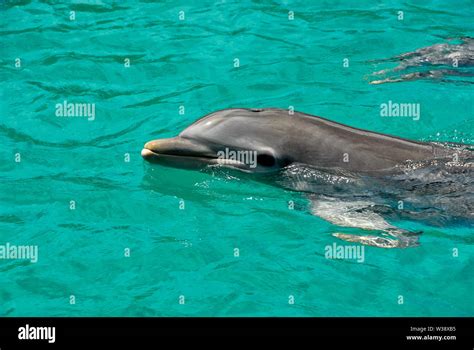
(249, 140)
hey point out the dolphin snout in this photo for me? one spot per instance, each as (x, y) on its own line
(146, 153)
(176, 147)
(153, 149)
(161, 145)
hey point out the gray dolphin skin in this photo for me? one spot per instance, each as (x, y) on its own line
(439, 61)
(353, 177)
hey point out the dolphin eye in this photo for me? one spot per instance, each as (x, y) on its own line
(266, 160)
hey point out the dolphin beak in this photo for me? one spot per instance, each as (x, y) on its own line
(176, 148)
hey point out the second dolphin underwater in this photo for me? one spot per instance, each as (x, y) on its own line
(353, 177)
(445, 62)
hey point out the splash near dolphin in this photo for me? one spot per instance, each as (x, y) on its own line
(354, 178)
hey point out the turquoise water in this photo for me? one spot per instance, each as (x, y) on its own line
(176, 251)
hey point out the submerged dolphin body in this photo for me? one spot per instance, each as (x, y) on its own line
(353, 177)
(438, 61)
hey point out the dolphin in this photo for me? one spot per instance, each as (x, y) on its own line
(438, 61)
(351, 176)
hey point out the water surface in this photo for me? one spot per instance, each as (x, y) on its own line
(176, 251)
